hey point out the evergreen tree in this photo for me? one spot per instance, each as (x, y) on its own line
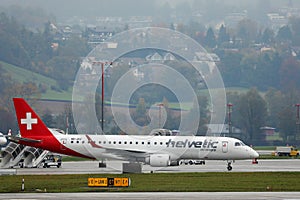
(223, 36)
(253, 111)
(284, 34)
(210, 38)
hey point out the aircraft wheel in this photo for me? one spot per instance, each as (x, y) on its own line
(229, 167)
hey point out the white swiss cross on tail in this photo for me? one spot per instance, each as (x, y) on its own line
(29, 121)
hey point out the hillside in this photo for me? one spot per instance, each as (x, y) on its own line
(22, 75)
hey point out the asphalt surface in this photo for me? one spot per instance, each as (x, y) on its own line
(159, 195)
(91, 167)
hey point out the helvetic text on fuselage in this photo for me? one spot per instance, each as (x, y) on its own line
(206, 145)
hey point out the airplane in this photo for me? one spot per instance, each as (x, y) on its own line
(155, 150)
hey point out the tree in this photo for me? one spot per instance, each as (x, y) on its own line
(289, 74)
(172, 121)
(287, 115)
(230, 68)
(253, 110)
(287, 123)
(140, 114)
(203, 107)
(267, 36)
(275, 101)
(141, 107)
(223, 36)
(247, 30)
(284, 34)
(210, 38)
(282, 112)
(295, 24)
(260, 70)
(48, 119)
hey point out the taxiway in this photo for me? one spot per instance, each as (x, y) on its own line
(91, 167)
(158, 195)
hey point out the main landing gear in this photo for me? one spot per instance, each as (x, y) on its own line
(229, 167)
(102, 164)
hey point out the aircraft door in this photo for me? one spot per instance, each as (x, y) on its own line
(224, 146)
(63, 142)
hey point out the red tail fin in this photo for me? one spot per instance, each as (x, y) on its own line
(31, 126)
(35, 133)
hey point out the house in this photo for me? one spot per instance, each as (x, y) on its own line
(266, 130)
(160, 57)
(223, 130)
(138, 74)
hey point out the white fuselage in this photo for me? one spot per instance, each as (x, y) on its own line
(137, 148)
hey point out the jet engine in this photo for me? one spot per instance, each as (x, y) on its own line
(159, 160)
(3, 139)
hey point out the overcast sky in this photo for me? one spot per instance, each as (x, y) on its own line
(63, 9)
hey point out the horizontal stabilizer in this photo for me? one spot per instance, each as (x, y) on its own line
(22, 139)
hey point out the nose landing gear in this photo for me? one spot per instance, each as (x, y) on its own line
(229, 167)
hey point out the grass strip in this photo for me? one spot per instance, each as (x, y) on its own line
(159, 182)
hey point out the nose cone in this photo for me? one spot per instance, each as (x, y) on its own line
(253, 154)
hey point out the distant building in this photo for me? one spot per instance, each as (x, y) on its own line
(223, 130)
(232, 19)
(138, 74)
(267, 131)
(277, 21)
(208, 58)
(139, 22)
(160, 57)
(99, 34)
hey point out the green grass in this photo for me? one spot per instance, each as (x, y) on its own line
(22, 75)
(265, 148)
(160, 182)
(277, 157)
(55, 95)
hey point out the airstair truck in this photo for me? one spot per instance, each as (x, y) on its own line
(286, 151)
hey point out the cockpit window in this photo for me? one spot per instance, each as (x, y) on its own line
(237, 144)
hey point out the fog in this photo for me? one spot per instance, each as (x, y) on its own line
(166, 9)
